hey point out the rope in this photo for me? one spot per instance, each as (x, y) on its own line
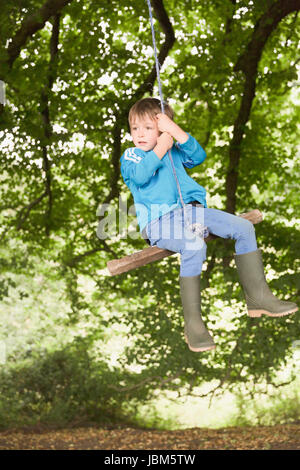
(197, 229)
(157, 64)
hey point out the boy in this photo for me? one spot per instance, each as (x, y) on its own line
(148, 173)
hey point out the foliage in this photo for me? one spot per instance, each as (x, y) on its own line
(281, 409)
(62, 387)
(63, 130)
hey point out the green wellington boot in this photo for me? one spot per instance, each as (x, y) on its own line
(196, 335)
(259, 298)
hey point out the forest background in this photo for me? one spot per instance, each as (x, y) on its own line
(75, 344)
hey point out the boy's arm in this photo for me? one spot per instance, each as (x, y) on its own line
(192, 154)
(139, 169)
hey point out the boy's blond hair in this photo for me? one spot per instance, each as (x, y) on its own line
(148, 107)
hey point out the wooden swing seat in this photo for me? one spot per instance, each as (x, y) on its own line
(153, 253)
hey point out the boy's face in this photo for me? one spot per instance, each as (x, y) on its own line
(144, 132)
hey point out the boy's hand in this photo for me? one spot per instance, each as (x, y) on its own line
(164, 143)
(165, 124)
(165, 140)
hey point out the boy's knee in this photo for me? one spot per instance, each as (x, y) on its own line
(196, 253)
(192, 260)
(246, 227)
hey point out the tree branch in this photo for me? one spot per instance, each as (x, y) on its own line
(157, 380)
(229, 21)
(248, 64)
(264, 27)
(21, 218)
(31, 25)
(46, 116)
(73, 261)
(116, 154)
(164, 21)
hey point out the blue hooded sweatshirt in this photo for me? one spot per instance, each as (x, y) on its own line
(152, 183)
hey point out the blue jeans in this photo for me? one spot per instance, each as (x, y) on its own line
(170, 232)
